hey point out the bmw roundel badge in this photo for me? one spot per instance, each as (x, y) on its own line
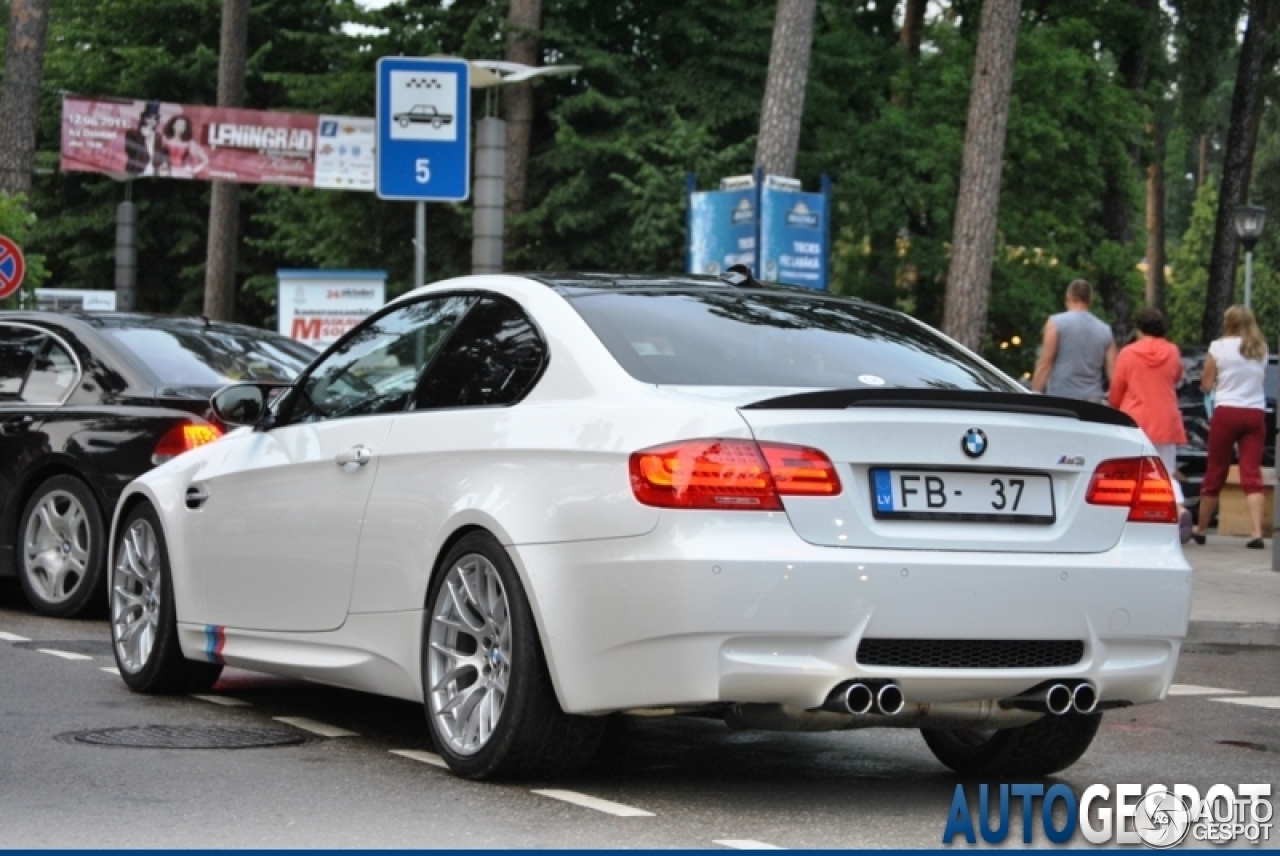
(974, 442)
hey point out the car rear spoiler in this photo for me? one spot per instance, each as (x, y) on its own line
(948, 399)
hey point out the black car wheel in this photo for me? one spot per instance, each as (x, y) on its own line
(489, 701)
(62, 549)
(144, 620)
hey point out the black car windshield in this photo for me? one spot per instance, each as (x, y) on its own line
(183, 354)
(731, 337)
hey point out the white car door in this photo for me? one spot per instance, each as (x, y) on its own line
(283, 511)
(435, 453)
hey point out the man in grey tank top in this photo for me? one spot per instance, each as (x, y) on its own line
(1077, 349)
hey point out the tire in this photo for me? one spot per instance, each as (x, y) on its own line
(144, 620)
(490, 705)
(62, 549)
(1041, 748)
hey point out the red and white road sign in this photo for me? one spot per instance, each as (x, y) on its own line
(12, 267)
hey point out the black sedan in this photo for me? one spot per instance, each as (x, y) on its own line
(88, 402)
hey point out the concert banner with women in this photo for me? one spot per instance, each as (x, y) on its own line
(142, 139)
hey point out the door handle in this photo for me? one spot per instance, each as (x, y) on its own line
(196, 497)
(357, 455)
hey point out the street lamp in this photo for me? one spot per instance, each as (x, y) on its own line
(1248, 221)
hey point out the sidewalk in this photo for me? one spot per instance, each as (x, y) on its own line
(1236, 596)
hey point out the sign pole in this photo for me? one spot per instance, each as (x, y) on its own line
(420, 245)
(423, 122)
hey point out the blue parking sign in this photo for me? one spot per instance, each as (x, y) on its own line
(424, 129)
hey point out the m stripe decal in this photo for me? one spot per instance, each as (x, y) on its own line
(215, 639)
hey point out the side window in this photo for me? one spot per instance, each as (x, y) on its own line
(377, 367)
(493, 358)
(18, 349)
(51, 377)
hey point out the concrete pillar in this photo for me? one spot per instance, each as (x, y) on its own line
(489, 190)
(126, 256)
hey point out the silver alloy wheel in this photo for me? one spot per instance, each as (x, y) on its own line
(135, 597)
(56, 546)
(469, 661)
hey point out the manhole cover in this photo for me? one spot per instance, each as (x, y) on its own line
(187, 737)
(88, 647)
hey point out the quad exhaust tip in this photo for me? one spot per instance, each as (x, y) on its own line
(1084, 698)
(889, 700)
(858, 699)
(1057, 699)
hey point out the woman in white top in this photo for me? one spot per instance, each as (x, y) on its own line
(1234, 370)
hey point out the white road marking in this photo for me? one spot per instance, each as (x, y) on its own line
(425, 757)
(745, 844)
(12, 637)
(111, 670)
(225, 701)
(66, 655)
(1193, 690)
(1272, 702)
(315, 727)
(616, 809)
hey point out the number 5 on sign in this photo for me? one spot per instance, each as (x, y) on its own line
(422, 170)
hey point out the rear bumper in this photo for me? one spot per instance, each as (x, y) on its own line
(712, 607)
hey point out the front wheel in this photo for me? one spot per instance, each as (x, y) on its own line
(1041, 748)
(144, 619)
(489, 701)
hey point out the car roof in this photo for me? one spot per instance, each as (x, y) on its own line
(131, 320)
(575, 283)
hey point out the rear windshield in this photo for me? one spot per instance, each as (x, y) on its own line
(190, 356)
(725, 337)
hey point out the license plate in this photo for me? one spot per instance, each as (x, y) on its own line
(961, 495)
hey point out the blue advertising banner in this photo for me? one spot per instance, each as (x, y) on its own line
(793, 237)
(722, 230)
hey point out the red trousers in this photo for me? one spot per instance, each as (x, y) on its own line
(1229, 426)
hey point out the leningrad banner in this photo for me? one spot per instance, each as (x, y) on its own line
(142, 139)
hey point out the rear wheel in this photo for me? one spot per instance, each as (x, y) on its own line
(1046, 746)
(144, 620)
(489, 701)
(60, 566)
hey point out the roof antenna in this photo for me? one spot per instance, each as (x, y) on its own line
(739, 275)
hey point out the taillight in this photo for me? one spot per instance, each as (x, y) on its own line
(730, 475)
(1140, 484)
(183, 438)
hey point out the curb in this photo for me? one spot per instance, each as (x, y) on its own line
(1233, 633)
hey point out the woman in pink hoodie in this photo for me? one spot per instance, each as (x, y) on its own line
(1145, 386)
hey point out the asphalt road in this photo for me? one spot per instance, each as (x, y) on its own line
(697, 782)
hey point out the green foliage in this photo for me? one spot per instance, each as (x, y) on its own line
(16, 223)
(1188, 283)
(667, 87)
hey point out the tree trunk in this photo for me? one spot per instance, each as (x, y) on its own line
(524, 19)
(1237, 163)
(1155, 216)
(1117, 203)
(912, 28)
(978, 203)
(1202, 164)
(224, 205)
(20, 98)
(783, 106)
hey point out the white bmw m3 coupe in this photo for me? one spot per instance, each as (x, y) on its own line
(532, 501)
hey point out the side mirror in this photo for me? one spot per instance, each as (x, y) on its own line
(240, 405)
